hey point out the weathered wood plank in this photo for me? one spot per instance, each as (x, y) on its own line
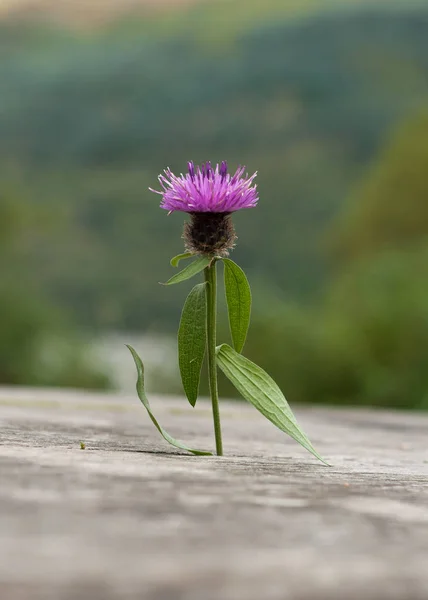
(130, 518)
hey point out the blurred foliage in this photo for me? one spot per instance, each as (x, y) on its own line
(88, 121)
(305, 95)
(367, 345)
(37, 344)
(368, 342)
(390, 208)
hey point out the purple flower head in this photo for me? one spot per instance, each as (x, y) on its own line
(205, 189)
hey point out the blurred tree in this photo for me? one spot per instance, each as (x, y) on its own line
(37, 345)
(368, 342)
(381, 241)
(389, 210)
(383, 302)
(367, 345)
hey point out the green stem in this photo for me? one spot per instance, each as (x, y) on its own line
(211, 279)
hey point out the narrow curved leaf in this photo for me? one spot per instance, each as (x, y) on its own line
(192, 340)
(176, 259)
(145, 401)
(256, 386)
(238, 297)
(194, 268)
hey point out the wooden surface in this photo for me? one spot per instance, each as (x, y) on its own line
(129, 517)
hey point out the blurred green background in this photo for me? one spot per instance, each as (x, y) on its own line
(328, 100)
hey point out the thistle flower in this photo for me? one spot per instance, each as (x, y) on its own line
(209, 195)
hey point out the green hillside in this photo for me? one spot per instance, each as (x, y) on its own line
(87, 123)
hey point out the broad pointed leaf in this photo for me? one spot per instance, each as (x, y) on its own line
(194, 268)
(256, 386)
(238, 297)
(192, 340)
(176, 259)
(145, 401)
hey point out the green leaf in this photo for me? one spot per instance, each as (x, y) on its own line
(176, 259)
(142, 396)
(238, 297)
(194, 268)
(256, 386)
(192, 340)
